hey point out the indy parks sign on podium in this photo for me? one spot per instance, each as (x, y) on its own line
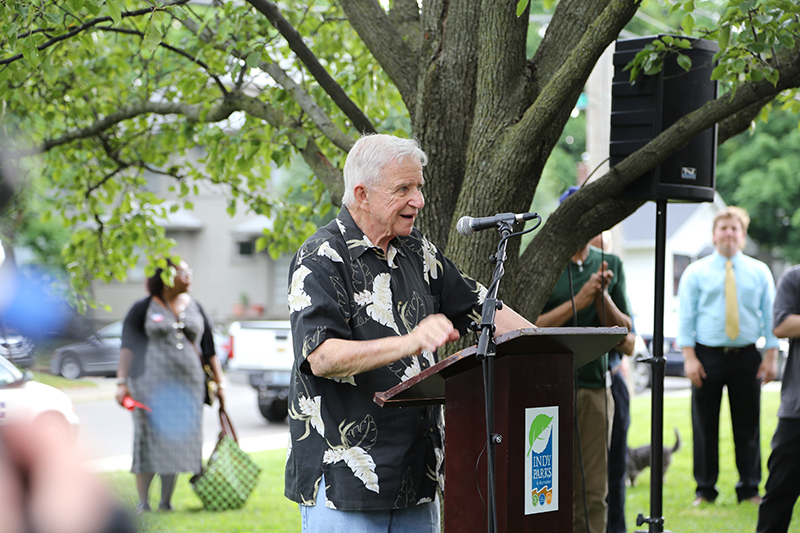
(541, 460)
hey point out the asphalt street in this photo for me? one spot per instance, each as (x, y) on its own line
(106, 428)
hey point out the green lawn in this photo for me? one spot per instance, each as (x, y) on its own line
(269, 511)
(725, 515)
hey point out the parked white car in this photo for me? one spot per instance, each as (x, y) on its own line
(23, 400)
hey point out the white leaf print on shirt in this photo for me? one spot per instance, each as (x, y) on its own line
(379, 302)
(326, 251)
(481, 293)
(428, 355)
(298, 298)
(390, 255)
(312, 408)
(430, 265)
(359, 461)
(412, 370)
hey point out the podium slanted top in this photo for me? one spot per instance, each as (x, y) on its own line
(428, 387)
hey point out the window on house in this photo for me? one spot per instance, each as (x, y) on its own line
(246, 249)
(679, 264)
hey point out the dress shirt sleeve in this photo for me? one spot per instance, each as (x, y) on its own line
(318, 303)
(687, 307)
(767, 302)
(134, 337)
(460, 298)
(207, 347)
(787, 297)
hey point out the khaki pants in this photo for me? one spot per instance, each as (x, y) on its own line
(595, 411)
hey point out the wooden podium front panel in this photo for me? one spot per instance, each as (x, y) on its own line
(521, 381)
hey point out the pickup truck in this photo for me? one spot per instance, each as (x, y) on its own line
(261, 355)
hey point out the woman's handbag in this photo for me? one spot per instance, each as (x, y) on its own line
(229, 475)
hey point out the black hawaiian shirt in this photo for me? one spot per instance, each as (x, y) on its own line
(342, 286)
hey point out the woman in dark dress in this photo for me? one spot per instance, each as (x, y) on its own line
(164, 338)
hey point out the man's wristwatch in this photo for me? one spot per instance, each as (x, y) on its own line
(122, 381)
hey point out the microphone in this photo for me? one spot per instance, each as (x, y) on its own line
(468, 225)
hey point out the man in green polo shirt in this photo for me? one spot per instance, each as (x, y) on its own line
(597, 281)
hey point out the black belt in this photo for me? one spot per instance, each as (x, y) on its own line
(728, 350)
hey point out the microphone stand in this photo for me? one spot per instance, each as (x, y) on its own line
(485, 354)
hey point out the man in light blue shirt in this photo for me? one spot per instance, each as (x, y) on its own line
(719, 350)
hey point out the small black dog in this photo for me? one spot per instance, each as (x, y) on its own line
(639, 458)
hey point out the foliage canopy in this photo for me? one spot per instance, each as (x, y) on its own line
(98, 96)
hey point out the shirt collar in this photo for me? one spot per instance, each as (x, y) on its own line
(358, 243)
(719, 258)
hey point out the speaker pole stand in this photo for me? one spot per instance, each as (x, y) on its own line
(656, 518)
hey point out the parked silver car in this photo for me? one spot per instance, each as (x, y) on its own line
(99, 354)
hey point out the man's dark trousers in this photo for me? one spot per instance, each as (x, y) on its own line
(736, 369)
(618, 453)
(782, 490)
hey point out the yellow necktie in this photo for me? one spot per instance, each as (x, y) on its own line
(731, 305)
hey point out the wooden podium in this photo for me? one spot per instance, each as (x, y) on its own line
(534, 368)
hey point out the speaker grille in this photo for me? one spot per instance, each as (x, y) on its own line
(641, 111)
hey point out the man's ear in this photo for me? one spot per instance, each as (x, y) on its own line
(360, 193)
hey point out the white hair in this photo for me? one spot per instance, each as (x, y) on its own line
(370, 155)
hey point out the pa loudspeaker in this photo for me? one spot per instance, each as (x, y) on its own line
(641, 111)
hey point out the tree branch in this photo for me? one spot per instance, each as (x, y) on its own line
(740, 121)
(300, 96)
(192, 113)
(329, 85)
(386, 44)
(596, 206)
(563, 87)
(326, 172)
(171, 48)
(405, 16)
(83, 27)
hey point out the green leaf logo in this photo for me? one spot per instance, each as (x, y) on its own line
(538, 426)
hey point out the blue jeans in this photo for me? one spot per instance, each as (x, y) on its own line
(423, 518)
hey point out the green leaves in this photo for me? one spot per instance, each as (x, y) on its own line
(115, 11)
(650, 60)
(100, 172)
(30, 52)
(153, 32)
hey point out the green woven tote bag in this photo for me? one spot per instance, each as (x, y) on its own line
(229, 475)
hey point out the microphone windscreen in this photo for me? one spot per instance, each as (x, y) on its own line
(464, 227)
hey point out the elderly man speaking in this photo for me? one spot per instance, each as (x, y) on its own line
(371, 301)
